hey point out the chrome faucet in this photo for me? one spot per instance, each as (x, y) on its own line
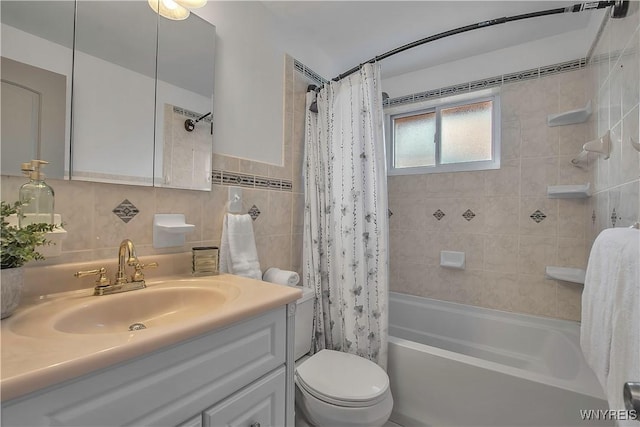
(126, 256)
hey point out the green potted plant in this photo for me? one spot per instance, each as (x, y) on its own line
(18, 247)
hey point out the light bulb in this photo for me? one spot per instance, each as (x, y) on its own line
(169, 9)
(191, 4)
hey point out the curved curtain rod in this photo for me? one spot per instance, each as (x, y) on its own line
(619, 10)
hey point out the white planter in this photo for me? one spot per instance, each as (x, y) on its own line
(11, 287)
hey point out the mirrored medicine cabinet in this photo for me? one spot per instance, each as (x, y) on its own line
(107, 102)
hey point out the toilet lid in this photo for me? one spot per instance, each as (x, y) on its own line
(343, 379)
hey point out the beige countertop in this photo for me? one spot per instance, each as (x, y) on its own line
(44, 356)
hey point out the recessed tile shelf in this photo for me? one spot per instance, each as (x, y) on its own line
(566, 274)
(579, 191)
(579, 115)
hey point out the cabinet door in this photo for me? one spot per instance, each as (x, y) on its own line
(193, 422)
(261, 404)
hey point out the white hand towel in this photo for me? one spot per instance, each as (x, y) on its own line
(281, 277)
(610, 329)
(238, 253)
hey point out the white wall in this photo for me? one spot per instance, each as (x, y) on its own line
(547, 51)
(112, 120)
(249, 75)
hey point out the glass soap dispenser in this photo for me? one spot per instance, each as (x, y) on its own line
(36, 196)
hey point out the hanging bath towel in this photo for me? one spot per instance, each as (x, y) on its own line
(238, 254)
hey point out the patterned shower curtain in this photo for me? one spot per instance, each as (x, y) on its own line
(345, 220)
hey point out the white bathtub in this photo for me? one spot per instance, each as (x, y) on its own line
(457, 365)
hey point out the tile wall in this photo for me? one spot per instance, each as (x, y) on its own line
(502, 219)
(95, 230)
(615, 75)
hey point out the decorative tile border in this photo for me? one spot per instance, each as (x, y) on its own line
(192, 115)
(534, 73)
(301, 68)
(519, 76)
(221, 177)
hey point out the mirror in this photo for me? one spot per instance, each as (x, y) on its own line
(184, 92)
(130, 104)
(137, 78)
(114, 77)
(36, 64)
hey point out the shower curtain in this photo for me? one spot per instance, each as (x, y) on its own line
(345, 245)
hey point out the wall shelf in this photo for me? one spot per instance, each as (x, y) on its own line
(566, 274)
(56, 236)
(169, 230)
(579, 191)
(579, 115)
(451, 259)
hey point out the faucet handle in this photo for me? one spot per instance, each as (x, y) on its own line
(101, 272)
(138, 276)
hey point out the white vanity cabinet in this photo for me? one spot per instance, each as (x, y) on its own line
(241, 375)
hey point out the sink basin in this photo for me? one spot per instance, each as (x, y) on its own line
(139, 310)
(163, 304)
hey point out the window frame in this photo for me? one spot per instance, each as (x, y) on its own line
(391, 113)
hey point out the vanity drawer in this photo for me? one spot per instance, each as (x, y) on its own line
(166, 387)
(260, 404)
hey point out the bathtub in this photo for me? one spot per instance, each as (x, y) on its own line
(458, 365)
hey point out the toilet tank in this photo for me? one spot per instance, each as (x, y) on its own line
(304, 322)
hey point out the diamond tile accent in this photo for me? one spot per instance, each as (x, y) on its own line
(439, 214)
(593, 216)
(538, 216)
(254, 212)
(468, 215)
(389, 212)
(614, 217)
(126, 211)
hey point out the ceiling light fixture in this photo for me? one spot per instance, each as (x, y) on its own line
(176, 10)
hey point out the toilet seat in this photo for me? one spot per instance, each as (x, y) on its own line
(343, 379)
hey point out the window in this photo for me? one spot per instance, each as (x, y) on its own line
(455, 135)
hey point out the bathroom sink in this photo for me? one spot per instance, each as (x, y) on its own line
(163, 304)
(137, 310)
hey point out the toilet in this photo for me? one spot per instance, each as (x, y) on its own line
(333, 388)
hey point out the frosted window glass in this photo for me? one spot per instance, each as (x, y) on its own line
(414, 140)
(466, 133)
